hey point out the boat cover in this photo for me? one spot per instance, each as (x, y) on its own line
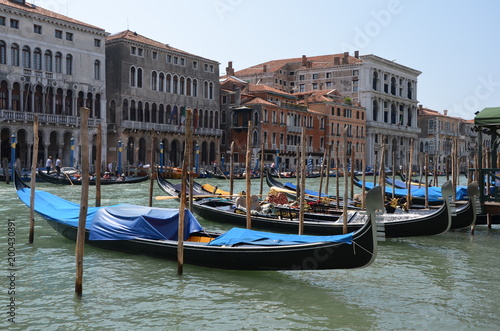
(128, 221)
(293, 187)
(434, 192)
(237, 236)
(118, 222)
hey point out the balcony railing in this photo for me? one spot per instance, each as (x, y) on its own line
(167, 128)
(19, 116)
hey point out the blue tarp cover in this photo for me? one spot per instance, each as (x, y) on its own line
(244, 236)
(434, 192)
(127, 221)
(119, 222)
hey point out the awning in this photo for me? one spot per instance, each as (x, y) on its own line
(488, 116)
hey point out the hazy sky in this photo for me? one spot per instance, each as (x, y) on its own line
(455, 44)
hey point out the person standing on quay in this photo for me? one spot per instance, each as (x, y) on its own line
(48, 164)
(58, 166)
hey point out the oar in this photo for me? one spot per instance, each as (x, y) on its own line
(69, 178)
(165, 197)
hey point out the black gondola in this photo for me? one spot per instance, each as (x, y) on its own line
(355, 250)
(396, 225)
(67, 180)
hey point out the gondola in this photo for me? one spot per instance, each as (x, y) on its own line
(153, 231)
(396, 225)
(69, 180)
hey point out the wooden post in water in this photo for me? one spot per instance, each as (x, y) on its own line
(33, 179)
(393, 175)
(80, 237)
(408, 180)
(302, 180)
(261, 171)
(426, 166)
(248, 176)
(151, 169)
(231, 170)
(353, 154)
(337, 175)
(182, 206)
(321, 174)
(328, 158)
(363, 176)
(346, 188)
(98, 161)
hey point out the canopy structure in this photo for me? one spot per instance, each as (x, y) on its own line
(488, 116)
(487, 122)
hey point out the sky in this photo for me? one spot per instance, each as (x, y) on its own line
(454, 43)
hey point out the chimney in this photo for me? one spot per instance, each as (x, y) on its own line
(230, 69)
(445, 112)
(345, 59)
(336, 60)
(264, 69)
(304, 60)
(356, 54)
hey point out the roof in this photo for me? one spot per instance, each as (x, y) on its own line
(430, 112)
(314, 62)
(135, 37)
(34, 9)
(258, 101)
(488, 116)
(268, 89)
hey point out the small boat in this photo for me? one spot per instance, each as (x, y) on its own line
(66, 179)
(154, 232)
(396, 183)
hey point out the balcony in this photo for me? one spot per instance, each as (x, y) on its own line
(167, 128)
(25, 117)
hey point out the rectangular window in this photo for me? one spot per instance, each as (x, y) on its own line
(183, 62)
(169, 58)
(69, 36)
(195, 64)
(176, 59)
(292, 73)
(224, 99)
(355, 72)
(302, 88)
(140, 52)
(206, 67)
(328, 75)
(315, 76)
(58, 34)
(133, 50)
(302, 77)
(14, 24)
(211, 68)
(97, 42)
(37, 29)
(155, 55)
(2, 20)
(315, 86)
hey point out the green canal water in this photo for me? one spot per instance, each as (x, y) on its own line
(445, 282)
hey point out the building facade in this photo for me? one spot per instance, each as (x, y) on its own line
(150, 85)
(50, 66)
(387, 90)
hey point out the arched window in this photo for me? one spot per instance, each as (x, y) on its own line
(37, 59)
(188, 86)
(69, 64)
(26, 57)
(58, 63)
(168, 87)
(48, 61)
(375, 81)
(255, 118)
(132, 76)
(139, 77)
(205, 89)
(195, 88)
(211, 91)
(161, 82)
(181, 86)
(175, 85)
(255, 138)
(410, 90)
(14, 55)
(154, 80)
(3, 52)
(393, 86)
(97, 70)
